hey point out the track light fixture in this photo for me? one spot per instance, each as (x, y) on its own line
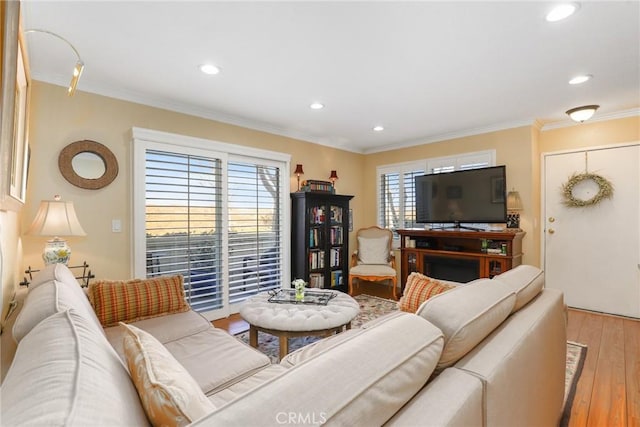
(77, 69)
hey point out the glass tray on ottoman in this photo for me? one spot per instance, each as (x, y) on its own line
(288, 296)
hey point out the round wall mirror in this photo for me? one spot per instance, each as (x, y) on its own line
(88, 164)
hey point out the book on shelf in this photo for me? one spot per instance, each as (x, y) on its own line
(335, 256)
(316, 215)
(315, 238)
(316, 280)
(319, 186)
(336, 278)
(336, 235)
(316, 260)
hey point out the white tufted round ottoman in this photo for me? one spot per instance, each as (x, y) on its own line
(297, 320)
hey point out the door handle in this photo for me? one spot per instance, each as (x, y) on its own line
(551, 231)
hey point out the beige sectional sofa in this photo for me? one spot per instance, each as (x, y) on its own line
(488, 353)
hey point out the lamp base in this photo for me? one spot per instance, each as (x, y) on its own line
(513, 220)
(56, 252)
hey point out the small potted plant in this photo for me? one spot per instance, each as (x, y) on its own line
(299, 285)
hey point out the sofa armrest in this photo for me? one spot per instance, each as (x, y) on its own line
(453, 398)
(361, 381)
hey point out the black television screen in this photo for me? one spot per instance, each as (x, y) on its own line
(469, 196)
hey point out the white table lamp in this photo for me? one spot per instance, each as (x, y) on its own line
(57, 219)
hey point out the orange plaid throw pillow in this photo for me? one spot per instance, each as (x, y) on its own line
(420, 288)
(138, 299)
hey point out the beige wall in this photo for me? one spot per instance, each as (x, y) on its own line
(591, 134)
(58, 120)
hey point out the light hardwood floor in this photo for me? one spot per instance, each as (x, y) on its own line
(608, 392)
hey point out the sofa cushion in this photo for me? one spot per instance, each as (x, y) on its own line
(211, 348)
(234, 391)
(526, 281)
(59, 272)
(467, 315)
(169, 395)
(132, 300)
(64, 373)
(418, 289)
(373, 250)
(165, 328)
(49, 298)
(362, 381)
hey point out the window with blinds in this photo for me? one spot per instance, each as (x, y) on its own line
(211, 212)
(397, 196)
(396, 185)
(255, 234)
(183, 223)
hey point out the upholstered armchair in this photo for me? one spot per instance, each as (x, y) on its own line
(373, 259)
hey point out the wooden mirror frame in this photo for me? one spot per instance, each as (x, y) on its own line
(86, 146)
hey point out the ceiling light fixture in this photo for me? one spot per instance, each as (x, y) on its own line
(77, 69)
(561, 11)
(316, 106)
(580, 79)
(582, 114)
(378, 128)
(209, 69)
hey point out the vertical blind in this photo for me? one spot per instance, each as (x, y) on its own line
(183, 223)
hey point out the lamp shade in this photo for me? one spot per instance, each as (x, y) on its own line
(56, 218)
(334, 175)
(514, 203)
(299, 170)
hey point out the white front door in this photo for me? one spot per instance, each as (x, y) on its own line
(592, 253)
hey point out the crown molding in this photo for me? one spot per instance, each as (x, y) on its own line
(178, 107)
(450, 135)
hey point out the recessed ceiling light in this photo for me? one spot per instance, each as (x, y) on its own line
(562, 11)
(580, 79)
(316, 106)
(209, 69)
(378, 128)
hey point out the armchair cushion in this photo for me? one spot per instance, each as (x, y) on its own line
(373, 250)
(372, 270)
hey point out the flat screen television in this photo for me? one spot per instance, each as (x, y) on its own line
(469, 196)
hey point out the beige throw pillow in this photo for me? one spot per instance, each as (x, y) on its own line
(169, 395)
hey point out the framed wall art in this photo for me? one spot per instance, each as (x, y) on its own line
(14, 102)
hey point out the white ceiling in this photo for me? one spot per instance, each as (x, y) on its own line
(426, 71)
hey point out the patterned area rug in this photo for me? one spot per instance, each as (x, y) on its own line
(576, 355)
(372, 307)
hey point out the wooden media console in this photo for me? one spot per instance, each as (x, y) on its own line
(459, 255)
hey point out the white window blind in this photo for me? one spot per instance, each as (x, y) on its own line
(255, 233)
(396, 196)
(213, 213)
(183, 223)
